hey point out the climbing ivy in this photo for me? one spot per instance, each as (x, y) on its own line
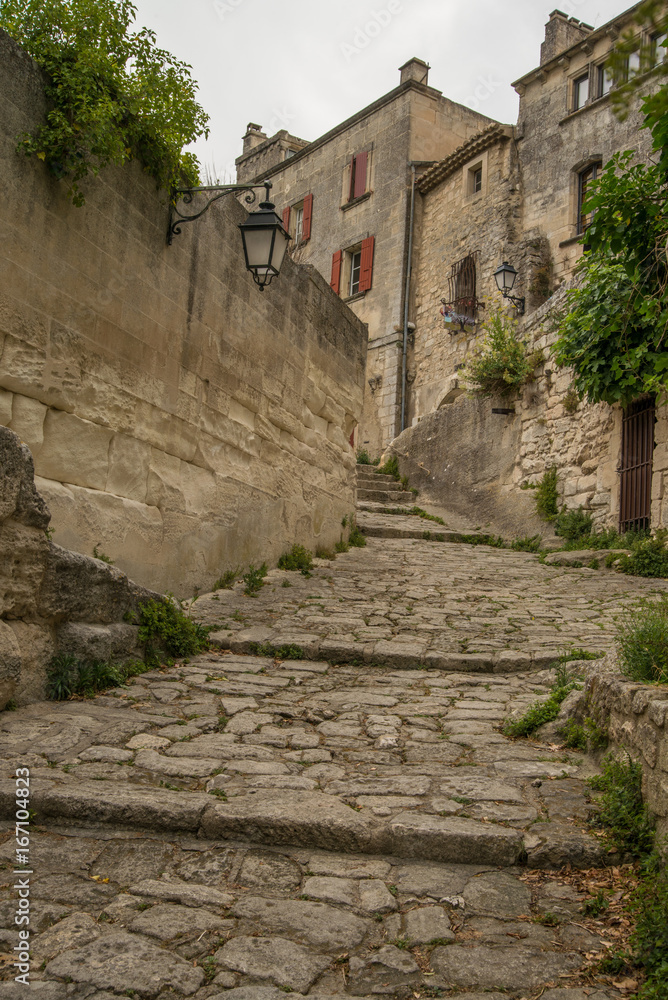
(112, 95)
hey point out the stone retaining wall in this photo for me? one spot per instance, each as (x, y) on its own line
(50, 599)
(178, 419)
(637, 718)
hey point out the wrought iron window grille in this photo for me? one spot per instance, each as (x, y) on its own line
(462, 305)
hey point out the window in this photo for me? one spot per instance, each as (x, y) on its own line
(474, 180)
(355, 269)
(633, 64)
(297, 219)
(603, 80)
(659, 51)
(352, 269)
(299, 224)
(477, 180)
(580, 92)
(358, 176)
(585, 180)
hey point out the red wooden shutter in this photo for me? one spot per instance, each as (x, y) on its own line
(366, 264)
(336, 271)
(308, 214)
(286, 219)
(351, 186)
(360, 174)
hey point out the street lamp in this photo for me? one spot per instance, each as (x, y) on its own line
(505, 280)
(264, 238)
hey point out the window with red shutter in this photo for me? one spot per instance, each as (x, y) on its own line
(308, 215)
(358, 175)
(336, 271)
(366, 268)
(286, 219)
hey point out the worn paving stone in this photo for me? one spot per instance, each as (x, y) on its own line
(166, 921)
(308, 922)
(281, 961)
(513, 968)
(383, 972)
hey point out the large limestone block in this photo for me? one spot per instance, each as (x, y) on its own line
(165, 431)
(74, 451)
(18, 495)
(82, 589)
(10, 664)
(28, 416)
(117, 641)
(23, 555)
(37, 645)
(164, 487)
(5, 406)
(129, 463)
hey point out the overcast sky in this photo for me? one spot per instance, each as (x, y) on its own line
(306, 65)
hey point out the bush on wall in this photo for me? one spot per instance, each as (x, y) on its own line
(504, 363)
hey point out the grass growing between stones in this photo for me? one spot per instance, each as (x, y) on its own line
(642, 642)
(67, 676)
(254, 580)
(298, 559)
(163, 625)
(289, 652)
(546, 711)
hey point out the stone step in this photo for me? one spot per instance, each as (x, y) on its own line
(426, 530)
(378, 479)
(295, 818)
(386, 496)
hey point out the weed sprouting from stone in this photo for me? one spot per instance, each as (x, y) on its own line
(622, 813)
(226, 581)
(642, 641)
(297, 559)
(254, 580)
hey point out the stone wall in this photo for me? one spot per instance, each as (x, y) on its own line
(637, 719)
(179, 419)
(51, 599)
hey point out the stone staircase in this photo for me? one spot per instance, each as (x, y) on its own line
(373, 488)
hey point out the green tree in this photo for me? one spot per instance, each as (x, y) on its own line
(112, 95)
(613, 332)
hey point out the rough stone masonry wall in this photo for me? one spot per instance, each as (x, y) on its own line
(636, 716)
(178, 418)
(51, 599)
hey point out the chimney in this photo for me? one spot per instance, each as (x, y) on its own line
(254, 137)
(561, 32)
(415, 69)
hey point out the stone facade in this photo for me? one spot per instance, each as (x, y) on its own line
(178, 419)
(412, 124)
(51, 599)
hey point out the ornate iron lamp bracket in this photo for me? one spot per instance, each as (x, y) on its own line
(186, 195)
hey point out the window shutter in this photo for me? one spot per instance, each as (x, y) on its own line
(336, 271)
(351, 186)
(308, 213)
(286, 219)
(360, 174)
(366, 264)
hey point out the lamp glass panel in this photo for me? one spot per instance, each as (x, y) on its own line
(280, 246)
(258, 246)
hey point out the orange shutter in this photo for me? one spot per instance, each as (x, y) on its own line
(360, 174)
(366, 264)
(336, 271)
(308, 214)
(286, 219)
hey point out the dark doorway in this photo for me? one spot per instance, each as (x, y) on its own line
(635, 499)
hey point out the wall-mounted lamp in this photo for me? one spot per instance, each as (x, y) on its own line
(505, 280)
(375, 382)
(264, 238)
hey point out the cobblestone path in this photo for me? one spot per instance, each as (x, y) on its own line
(243, 827)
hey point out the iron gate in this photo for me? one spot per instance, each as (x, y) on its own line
(635, 497)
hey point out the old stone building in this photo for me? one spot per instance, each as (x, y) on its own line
(346, 198)
(505, 193)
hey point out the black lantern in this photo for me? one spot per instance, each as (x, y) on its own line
(505, 280)
(265, 242)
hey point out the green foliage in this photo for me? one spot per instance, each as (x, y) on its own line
(226, 581)
(607, 538)
(504, 363)
(495, 541)
(530, 543)
(323, 553)
(254, 580)
(341, 546)
(642, 641)
(547, 495)
(649, 557)
(363, 457)
(298, 558)
(543, 711)
(67, 675)
(650, 936)
(573, 523)
(356, 539)
(596, 905)
(100, 555)
(390, 468)
(571, 401)
(628, 825)
(418, 512)
(163, 625)
(112, 95)
(589, 736)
